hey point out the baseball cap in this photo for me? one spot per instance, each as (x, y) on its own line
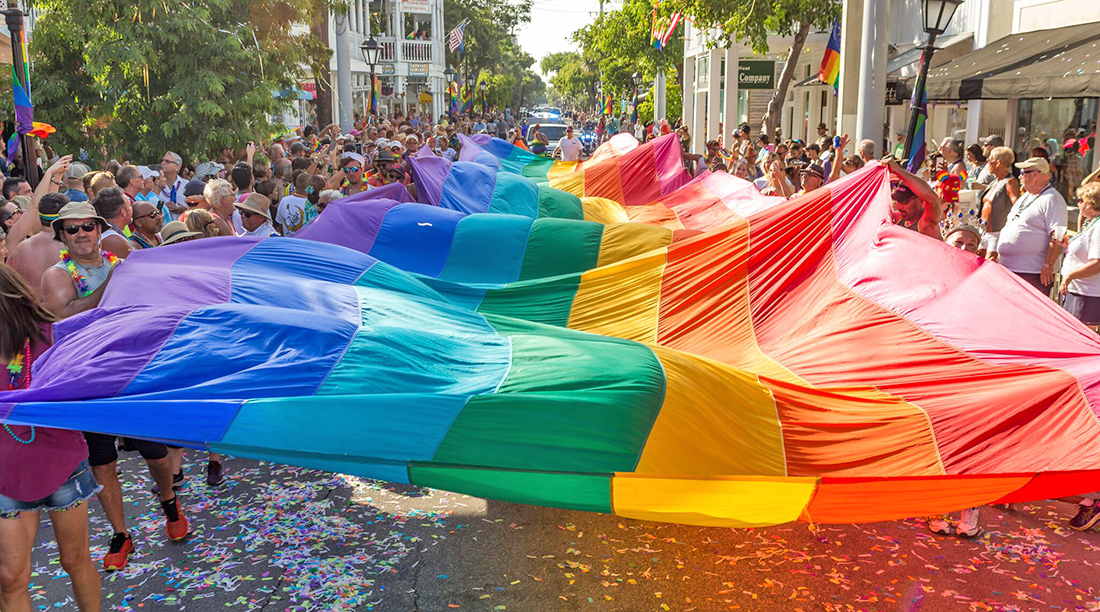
(902, 193)
(147, 172)
(1037, 163)
(76, 171)
(814, 170)
(193, 187)
(993, 140)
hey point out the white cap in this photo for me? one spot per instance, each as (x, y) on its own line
(352, 154)
(147, 172)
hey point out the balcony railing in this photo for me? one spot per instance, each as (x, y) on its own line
(385, 54)
(416, 51)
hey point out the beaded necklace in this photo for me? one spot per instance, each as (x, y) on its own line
(78, 278)
(20, 367)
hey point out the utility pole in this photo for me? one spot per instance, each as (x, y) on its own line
(342, 24)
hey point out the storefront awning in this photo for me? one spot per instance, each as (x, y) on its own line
(911, 56)
(1058, 63)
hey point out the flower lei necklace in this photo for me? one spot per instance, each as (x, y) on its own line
(16, 368)
(78, 278)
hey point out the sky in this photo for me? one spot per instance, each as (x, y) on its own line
(552, 21)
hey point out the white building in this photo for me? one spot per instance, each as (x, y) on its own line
(1051, 86)
(412, 57)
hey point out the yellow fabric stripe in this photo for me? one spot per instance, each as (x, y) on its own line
(743, 501)
(621, 299)
(716, 419)
(603, 210)
(560, 168)
(625, 240)
(572, 183)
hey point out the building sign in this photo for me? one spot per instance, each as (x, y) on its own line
(414, 6)
(897, 92)
(418, 69)
(385, 69)
(755, 74)
(425, 97)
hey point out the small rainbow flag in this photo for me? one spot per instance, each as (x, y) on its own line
(830, 63)
(607, 105)
(374, 97)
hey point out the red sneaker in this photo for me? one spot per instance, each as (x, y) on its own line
(177, 523)
(119, 553)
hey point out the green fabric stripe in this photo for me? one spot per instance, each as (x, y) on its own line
(572, 402)
(546, 301)
(588, 492)
(561, 246)
(559, 204)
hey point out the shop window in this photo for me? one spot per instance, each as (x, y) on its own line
(1065, 130)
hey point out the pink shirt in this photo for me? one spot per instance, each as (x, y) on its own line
(30, 472)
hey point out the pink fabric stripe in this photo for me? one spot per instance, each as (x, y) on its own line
(972, 304)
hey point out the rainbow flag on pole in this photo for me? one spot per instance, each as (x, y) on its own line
(830, 63)
(918, 149)
(607, 110)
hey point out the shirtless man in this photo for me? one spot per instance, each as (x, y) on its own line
(41, 251)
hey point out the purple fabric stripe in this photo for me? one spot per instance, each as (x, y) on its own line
(429, 172)
(185, 277)
(349, 223)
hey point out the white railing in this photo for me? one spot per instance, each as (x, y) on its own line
(416, 51)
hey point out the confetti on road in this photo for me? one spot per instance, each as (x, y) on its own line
(295, 540)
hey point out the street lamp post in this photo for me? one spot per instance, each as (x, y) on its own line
(937, 15)
(471, 80)
(637, 78)
(484, 100)
(449, 74)
(370, 56)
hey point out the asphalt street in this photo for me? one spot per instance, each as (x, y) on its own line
(282, 538)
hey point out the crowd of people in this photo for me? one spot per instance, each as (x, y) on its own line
(63, 238)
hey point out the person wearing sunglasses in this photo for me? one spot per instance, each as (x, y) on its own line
(351, 166)
(146, 225)
(256, 215)
(1031, 239)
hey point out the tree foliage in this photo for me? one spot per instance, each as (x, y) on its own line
(751, 22)
(610, 50)
(137, 77)
(490, 47)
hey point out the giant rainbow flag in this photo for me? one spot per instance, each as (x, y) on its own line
(675, 348)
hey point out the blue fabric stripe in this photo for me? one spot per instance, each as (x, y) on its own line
(468, 187)
(258, 351)
(515, 195)
(416, 238)
(472, 262)
(135, 417)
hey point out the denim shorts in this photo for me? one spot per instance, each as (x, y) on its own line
(80, 486)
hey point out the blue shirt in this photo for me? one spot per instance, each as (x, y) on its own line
(75, 195)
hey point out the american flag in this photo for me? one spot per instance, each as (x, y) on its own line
(456, 36)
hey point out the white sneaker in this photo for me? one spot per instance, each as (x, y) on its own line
(968, 524)
(938, 524)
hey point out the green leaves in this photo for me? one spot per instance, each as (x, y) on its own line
(490, 47)
(132, 79)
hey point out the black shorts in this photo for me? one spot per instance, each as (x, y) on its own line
(102, 449)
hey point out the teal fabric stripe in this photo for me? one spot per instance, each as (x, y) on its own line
(412, 344)
(385, 430)
(488, 249)
(515, 195)
(559, 204)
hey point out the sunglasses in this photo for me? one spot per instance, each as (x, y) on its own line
(73, 230)
(352, 169)
(1029, 171)
(152, 215)
(248, 214)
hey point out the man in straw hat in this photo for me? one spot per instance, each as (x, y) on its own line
(176, 231)
(256, 215)
(73, 285)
